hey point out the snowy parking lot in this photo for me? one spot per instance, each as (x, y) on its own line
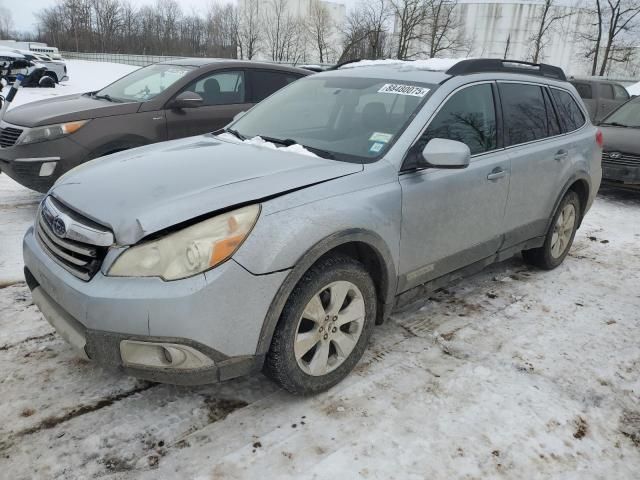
(513, 373)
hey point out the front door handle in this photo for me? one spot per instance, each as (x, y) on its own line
(496, 174)
(561, 155)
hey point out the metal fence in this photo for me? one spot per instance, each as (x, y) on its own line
(138, 60)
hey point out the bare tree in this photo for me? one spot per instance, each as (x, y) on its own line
(614, 33)
(108, 21)
(549, 14)
(366, 31)
(410, 17)
(283, 33)
(320, 28)
(248, 28)
(6, 22)
(443, 28)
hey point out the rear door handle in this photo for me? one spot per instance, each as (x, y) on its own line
(496, 174)
(561, 155)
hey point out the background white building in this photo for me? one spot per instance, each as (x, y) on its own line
(504, 29)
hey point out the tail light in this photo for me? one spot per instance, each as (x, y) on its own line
(599, 138)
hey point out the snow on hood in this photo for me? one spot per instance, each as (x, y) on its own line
(634, 89)
(261, 142)
(432, 64)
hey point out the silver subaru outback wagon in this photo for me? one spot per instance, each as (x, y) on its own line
(278, 243)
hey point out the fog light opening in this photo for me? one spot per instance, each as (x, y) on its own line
(162, 355)
(47, 168)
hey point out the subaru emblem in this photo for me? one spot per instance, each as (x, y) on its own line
(58, 226)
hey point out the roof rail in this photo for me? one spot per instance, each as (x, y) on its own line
(480, 65)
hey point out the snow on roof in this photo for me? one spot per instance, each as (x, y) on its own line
(431, 64)
(261, 142)
(634, 89)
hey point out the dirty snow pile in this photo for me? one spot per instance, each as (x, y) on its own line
(261, 142)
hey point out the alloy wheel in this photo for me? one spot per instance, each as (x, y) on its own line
(563, 230)
(329, 328)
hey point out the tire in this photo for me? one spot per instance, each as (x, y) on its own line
(52, 75)
(550, 255)
(313, 297)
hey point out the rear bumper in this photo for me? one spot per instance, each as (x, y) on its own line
(628, 175)
(24, 163)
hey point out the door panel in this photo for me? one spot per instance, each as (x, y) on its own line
(452, 218)
(538, 157)
(224, 95)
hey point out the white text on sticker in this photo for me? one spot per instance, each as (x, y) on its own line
(398, 89)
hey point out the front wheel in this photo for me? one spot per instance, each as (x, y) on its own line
(324, 327)
(560, 235)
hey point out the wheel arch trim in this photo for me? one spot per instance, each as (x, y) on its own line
(310, 257)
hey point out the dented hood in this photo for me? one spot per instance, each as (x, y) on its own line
(141, 191)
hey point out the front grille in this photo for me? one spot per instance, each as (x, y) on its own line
(81, 259)
(9, 136)
(626, 159)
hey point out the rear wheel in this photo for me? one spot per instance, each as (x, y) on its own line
(324, 327)
(560, 235)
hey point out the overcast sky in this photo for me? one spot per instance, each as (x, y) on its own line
(24, 19)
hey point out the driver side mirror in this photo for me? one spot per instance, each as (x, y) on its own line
(187, 100)
(441, 153)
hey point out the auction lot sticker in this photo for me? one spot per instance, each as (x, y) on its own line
(399, 89)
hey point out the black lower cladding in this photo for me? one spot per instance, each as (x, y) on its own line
(104, 348)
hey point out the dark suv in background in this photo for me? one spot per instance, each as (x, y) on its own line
(42, 140)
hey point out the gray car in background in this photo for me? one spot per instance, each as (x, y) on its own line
(279, 244)
(40, 141)
(600, 96)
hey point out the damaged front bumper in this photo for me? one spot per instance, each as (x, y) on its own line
(199, 330)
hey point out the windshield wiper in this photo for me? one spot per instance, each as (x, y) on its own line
(288, 142)
(235, 133)
(106, 97)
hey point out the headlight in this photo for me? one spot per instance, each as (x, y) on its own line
(50, 132)
(190, 251)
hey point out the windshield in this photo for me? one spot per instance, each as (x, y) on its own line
(145, 83)
(345, 118)
(628, 115)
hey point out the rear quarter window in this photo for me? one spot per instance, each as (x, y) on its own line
(571, 116)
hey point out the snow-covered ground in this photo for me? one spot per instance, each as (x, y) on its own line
(514, 373)
(634, 89)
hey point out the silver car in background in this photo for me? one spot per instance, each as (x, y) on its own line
(278, 244)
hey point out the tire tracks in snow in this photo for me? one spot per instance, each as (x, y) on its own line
(54, 421)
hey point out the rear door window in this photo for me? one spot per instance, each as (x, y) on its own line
(220, 88)
(571, 115)
(267, 82)
(554, 124)
(525, 113)
(469, 117)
